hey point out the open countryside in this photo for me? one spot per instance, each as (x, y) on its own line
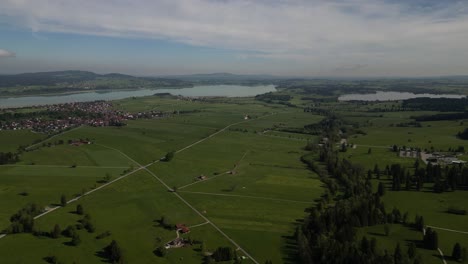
(233, 132)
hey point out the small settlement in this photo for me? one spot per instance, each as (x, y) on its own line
(58, 117)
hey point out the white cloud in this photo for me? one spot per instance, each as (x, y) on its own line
(308, 32)
(6, 53)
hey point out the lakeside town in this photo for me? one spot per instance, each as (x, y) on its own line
(59, 117)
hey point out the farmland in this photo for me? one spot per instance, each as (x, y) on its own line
(243, 174)
(255, 188)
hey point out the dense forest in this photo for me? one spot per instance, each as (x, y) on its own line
(436, 104)
(328, 234)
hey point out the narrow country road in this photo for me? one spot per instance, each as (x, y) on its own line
(49, 138)
(450, 230)
(141, 167)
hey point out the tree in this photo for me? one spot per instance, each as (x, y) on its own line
(381, 189)
(419, 222)
(223, 254)
(373, 246)
(343, 147)
(161, 251)
(411, 250)
(108, 177)
(75, 239)
(431, 239)
(457, 252)
(397, 255)
(387, 230)
(63, 200)
(464, 255)
(56, 232)
(69, 231)
(169, 156)
(79, 209)
(202, 247)
(114, 252)
(377, 171)
(365, 246)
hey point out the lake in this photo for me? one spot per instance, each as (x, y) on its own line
(196, 91)
(394, 96)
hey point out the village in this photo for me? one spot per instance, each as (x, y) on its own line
(59, 117)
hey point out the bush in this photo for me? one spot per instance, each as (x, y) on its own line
(76, 240)
(103, 235)
(63, 200)
(79, 209)
(457, 211)
(169, 156)
(161, 251)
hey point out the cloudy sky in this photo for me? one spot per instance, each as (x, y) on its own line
(281, 37)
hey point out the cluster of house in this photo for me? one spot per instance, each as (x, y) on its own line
(440, 158)
(443, 159)
(179, 241)
(97, 113)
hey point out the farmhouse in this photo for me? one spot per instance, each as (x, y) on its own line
(176, 243)
(182, 228)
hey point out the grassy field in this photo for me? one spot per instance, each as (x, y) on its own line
(254, 186)
(381, 133)
(11, 140)
(257, 205)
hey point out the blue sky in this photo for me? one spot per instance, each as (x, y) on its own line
(295, 37)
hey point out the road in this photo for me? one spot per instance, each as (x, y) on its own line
(214, 177)
(450, 230)
(442, 255)
(145, 167)
(56, 135)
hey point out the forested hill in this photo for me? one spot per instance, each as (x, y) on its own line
(69, 81)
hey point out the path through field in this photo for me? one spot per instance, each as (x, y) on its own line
(145, 167)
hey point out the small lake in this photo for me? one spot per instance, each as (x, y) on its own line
(394, 96)
(196, 91)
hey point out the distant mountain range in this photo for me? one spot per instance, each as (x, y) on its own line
(76, 81)
(224, 76)
(71, 77)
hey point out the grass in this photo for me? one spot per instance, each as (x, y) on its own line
(268, 193)
(128, 209)
(258, 206)
(11, 140)
(20, 185)
(84, 155)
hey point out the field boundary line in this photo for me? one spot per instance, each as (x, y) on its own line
(247, 196)
(449, 230)
(49, 138)
(202, 216)
(210, 178)
(125, 155)
(163, 183)
(216, 176)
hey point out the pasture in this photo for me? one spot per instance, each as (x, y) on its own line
(257, 204)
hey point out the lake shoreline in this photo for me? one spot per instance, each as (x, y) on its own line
(388, 96)
(110, 95)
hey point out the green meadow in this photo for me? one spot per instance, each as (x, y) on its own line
(255, 187)
(11, 140)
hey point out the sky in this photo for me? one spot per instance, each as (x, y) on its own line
(313, 38)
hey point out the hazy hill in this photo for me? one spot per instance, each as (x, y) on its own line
(74, 81)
